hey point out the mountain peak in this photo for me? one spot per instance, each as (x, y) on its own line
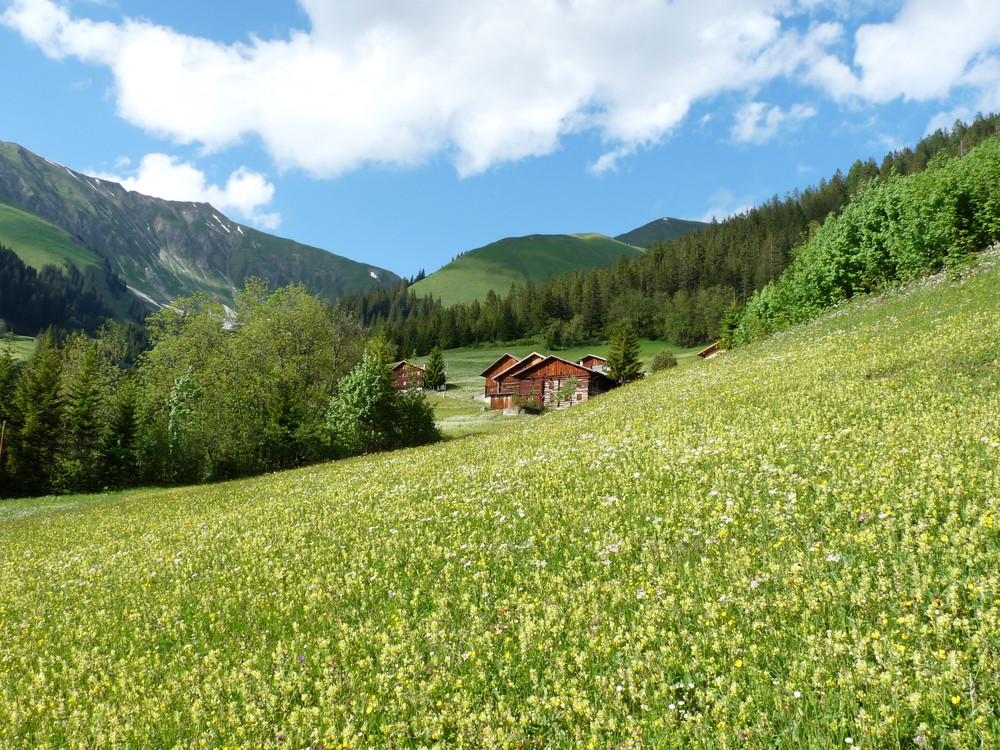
(162, 249)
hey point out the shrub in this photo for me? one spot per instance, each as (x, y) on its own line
(662, 360)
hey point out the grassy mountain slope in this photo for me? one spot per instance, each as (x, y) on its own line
(659, 230)
(163, 249)
(41, 242)
(794, 545)
(517, 260)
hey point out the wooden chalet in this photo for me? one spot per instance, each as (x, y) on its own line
(540, 379)
(501, 388)
(406, 375)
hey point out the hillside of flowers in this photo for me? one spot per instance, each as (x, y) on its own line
(796, 544)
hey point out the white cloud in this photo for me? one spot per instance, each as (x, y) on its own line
(723, 204)
(930, 48)
(486, 82)
(246, 192)
(608, 162)
(758, 123)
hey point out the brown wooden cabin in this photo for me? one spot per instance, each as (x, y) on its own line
(594, 362)
(540, 378)
(493, 370)
(504, 388)
(710, 351)
(407, 375)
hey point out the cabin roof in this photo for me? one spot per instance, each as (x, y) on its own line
(530, 369)
(404, 363)
(708, 350)
(497, 367)
(514, 368)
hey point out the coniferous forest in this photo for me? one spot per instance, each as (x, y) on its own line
(31, 300)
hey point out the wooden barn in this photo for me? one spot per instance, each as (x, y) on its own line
(406, 375)
(501, 387)
(542, 380)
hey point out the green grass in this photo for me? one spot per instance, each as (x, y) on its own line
(518, 259)
(39, 243)
(796, 544)
(660, 230)
(23, 347)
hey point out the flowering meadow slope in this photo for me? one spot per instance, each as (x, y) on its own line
(794, 545)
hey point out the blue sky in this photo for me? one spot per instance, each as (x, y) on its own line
(403, 132)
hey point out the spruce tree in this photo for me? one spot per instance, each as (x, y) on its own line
(38, 410)
(623, 352)
(83, 431)
(434, 375)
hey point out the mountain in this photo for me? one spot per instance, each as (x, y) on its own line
(660, 230)
(161, 249)
(517, 260)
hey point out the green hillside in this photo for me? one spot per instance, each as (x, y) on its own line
(796, 544)
(41, 242)
(517, 260)
(660, 230)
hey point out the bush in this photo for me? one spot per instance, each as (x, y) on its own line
(368, 415)
(662, 360)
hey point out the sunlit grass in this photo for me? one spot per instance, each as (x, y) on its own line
(792, 545)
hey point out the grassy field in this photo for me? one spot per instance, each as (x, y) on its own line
(796, 544)
(518, 259)
(457, 409)
(23, 347)
(39, 243)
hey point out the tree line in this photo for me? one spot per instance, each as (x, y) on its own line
(279, 381)
(895, 231)
(687, 290)
(32, 300)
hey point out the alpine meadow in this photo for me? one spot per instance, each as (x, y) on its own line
(792, 545)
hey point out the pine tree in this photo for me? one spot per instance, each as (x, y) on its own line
(38, 409)
(623, 352)
(434, 374)
(84, 425)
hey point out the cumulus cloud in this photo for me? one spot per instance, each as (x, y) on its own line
(757, 123)
(928, 49)
(246, 193)
(482, 82)
(926, 52)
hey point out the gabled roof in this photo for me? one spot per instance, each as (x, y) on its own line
(496, 367)
(405, 363)
(535, 366)
(514, 368)
(591, 356)
(710, 350)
